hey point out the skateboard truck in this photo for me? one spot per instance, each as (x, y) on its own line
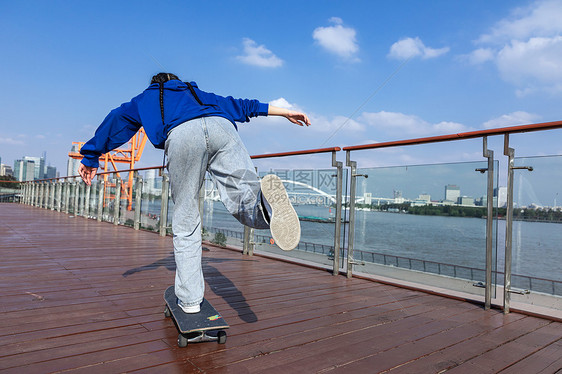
(200, 337)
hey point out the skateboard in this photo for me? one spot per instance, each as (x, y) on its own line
(193, 328)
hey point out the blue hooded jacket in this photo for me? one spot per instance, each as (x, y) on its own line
(179, 106)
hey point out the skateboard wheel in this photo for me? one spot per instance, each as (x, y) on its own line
(222, 337)
(167, 312)
(182, 341)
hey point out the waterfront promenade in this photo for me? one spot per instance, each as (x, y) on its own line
(79, 295)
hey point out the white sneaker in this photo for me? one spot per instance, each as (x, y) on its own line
(284, 224)
(190, 309)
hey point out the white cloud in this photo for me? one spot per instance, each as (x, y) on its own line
(338, 39)
(407, 126)
(258, 55)
(10, 141)
(283, 103)
(341, 124)
(532, 63)
(540, 18)
(414, 47)
(481, 55)
(511, 119)
(526, 48)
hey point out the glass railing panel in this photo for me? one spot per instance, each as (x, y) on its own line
(170, 213)
(127, 214)
(312, 192)
(151, 200)
(109, 199)
(94, 198)
(423, 224)
(72, 191)
(537, 232)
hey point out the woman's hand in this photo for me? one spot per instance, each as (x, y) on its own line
(297, 118)
(87, 173)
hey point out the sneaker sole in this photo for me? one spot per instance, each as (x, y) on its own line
(285, 226)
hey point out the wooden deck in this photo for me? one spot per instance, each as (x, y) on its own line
(86, 297)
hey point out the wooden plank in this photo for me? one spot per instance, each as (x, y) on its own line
(514, 351)
(544, 361)
(457, 354)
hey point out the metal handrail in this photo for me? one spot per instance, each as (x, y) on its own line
(460, 136)
(297, 153)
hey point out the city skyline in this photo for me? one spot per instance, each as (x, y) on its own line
(29, 168)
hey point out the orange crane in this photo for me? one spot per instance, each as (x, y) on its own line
(128, 154)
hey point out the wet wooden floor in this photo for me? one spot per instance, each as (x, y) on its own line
(86, 297)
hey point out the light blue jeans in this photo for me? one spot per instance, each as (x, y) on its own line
(207, 144)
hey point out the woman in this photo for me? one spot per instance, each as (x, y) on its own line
(198, 132)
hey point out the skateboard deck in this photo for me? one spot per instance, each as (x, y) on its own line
(193, 328)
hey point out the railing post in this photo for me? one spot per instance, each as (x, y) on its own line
(489, 222)
(48, 195)
(249, 243)
(510, 153)
(350, 261)
(66, 195)
(246, 240)
(337, 230)
(52, 198)
(138, 201)
(59, 195)
(101, 186)
(46, 203)
(41, 193)
(35, 194)
(164, 206)
(81, 199)
(86, 209)
(37, 189)
(117, 202)
(76, 197)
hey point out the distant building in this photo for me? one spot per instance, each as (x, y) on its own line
(51, 172)
(39, 164)
(73, 164)
(367, 196)
(500, 194)
(6, 170)
(424, 197)
(24, 170)
(466, 201)
(452, 193)
(398, 199)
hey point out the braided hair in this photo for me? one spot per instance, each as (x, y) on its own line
(162, 78)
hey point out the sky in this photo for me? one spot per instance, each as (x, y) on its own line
(364, 71)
